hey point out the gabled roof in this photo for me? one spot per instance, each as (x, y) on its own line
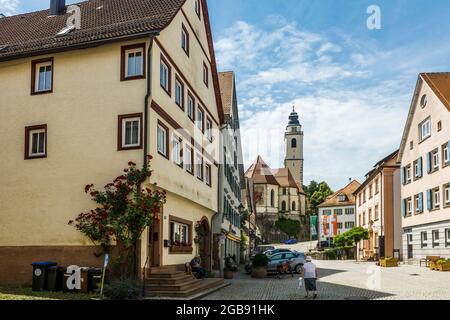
(261, 173)
(226, 81)
(389, 161)
(440, 84)
(101, 21)
(348, 190)
(284, 178)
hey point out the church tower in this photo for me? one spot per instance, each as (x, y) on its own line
(293, 139)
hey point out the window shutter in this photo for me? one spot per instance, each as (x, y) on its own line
(404, 208)
(419, 167)
(429, 162)
(429, 200)
(421, 202)
(404, 175)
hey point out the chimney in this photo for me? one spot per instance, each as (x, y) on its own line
(57, 7)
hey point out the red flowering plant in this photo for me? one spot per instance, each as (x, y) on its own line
(125, 210)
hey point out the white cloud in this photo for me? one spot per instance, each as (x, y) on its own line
(9, 7)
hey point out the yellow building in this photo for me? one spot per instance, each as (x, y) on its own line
(138, 78)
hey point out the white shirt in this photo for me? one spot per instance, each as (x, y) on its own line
(310, 270)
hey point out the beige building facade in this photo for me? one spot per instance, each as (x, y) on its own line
(378, 211)
(425, 170)
(91, 109)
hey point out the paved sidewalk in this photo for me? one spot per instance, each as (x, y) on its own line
(345, 280)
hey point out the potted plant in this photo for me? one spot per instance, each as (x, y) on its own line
(443, 265)
(389, 262)
(230, 267)
(433, 262)
(259, 266)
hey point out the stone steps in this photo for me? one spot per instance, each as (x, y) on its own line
(183, 289)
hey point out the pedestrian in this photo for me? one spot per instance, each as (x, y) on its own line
(309, 274)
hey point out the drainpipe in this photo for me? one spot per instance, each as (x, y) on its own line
(148, 96)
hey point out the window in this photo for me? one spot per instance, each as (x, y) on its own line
(327, 212)
(435, 158)
(446, 194)
(435, 238)
(339, 225)
(189, 159)
(411, 145)
(418, 203)
(370, 216)
(436, 198)
(165, 75)
(272, 198)
(293, 206)
(447, 237)
(209, 129)
(423, 101)
(177, 150)
(284, 191)
(364, 218)
(36, 142)
(130, 132)
(42, 76)
(364, 196)
(180, 235)
(199, 166)
(377, 213)
(205, 74)
(162, 143)
(409, 206)
(377, 185)
(283, 206)
(198, 8)
(418, 168)
(370, 191)
(424, 239)
(408, 174)
(185, 39)
(349, 225)
(342, 198)
(446, 154)
(179, 93)
(349, 211)
(200, 121)
(439, 126)
(425, 129)
(208, 174)
(190, 106)
(294, 143)
(133, 62)
(338, 212)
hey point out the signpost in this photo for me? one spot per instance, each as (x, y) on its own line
(105, 264)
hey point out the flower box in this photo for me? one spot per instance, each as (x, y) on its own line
(389, 263)
(181, 249)
(433, 265)
(443, 265)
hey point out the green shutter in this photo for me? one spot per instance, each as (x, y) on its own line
(429, 200)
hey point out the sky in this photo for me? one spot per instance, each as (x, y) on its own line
(352, 86)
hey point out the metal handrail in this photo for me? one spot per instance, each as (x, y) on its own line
(144, 274)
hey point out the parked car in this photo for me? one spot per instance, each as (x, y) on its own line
(275, 251)
(297, 259)
(291, 241)
(321, 245)
(262, 248)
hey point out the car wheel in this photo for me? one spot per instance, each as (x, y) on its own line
(298, 268)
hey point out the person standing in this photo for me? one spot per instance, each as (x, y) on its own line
(309, 274)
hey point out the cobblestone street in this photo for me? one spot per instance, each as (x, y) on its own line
(342, 280)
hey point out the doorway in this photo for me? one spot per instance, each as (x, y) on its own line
(409, 238)
(204, 246)
(155, 243)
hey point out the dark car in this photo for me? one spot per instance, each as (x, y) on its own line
(291, 241)
(297, 259)
(321, 245)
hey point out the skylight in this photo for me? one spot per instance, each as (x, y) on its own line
(65, 31)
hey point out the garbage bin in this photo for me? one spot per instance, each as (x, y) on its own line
(55, 278)
(84, 272)
(65, 288)
(40, 274)
(95, 279)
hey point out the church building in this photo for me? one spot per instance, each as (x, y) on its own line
(279, 192)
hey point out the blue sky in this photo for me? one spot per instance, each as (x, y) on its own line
(351, 86)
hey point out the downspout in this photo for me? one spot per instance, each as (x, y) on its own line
(381, 186)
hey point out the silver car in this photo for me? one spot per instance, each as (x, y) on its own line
(297, 259)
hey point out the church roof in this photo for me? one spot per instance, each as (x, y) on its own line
(284, 177)
(347, 191)
(293, 118)
(261, 173)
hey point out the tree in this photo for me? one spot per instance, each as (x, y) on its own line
(288, 226)
(125, 210)
(357, 234)
(318, 194)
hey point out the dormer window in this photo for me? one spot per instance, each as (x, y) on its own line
(342, 198)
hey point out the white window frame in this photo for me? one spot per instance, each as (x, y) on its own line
(179, 93)
(436, 198)
(177, 145)
(446, 194)
(162, 149)
(164, 73)
(37, 78)
(435, 158)
(409, 205)
(199, 166)
(436, 240)
(190, 107)
(208, 175)
(184, 40)
(424, 240)
(200, 118)
(408, 174)
(124, 130)
(31, 140)
(188, 159)
(425, 129)
(134, 51)
(182, 230)
(445, 154)
(209, 129)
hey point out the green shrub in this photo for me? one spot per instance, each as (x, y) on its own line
(124, 289)
(260, 260)
(331, 254)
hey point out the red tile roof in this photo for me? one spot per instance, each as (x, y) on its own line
(440, 84)
(101, 21)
